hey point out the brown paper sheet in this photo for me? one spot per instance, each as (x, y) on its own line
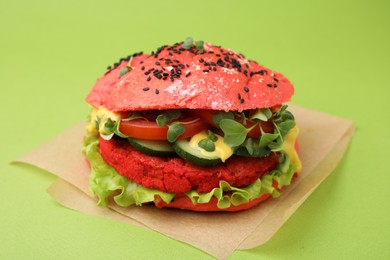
(210, 232)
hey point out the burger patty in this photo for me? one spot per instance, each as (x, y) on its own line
(177, 175)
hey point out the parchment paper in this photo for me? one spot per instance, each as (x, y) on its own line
(218, 234)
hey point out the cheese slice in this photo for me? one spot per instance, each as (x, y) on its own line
(289, 148)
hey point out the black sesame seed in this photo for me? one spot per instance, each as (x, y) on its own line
(236, 64)
(220, 63)
(157, 72)
(145, 89)
(260, 72)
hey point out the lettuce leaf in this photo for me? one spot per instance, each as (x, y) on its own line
(106, 183)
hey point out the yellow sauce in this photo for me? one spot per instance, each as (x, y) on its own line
(289, 148)
(222, 150)
(104, 114)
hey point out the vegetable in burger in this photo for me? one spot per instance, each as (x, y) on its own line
(191, 126)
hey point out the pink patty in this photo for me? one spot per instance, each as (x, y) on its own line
(177, 175)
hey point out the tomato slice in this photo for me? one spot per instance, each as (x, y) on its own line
(205, 115)
(149, 130)
(267, 127)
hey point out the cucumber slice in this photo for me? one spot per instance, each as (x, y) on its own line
(184, 150)
(152, 147)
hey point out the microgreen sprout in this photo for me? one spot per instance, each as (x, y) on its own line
(189, 42)
(174, 131)
(208, 142)
(123, 71)
(235, 133)
(126, 69)
(168, 116)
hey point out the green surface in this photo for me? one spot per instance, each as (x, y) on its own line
(335, 52)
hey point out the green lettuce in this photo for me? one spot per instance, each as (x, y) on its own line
(264, 185)
(106, 183)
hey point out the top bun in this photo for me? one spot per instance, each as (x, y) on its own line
(178, 78)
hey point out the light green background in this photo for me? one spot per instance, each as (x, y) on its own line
(335, 52)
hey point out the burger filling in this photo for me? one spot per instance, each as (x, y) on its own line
(230, 155)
